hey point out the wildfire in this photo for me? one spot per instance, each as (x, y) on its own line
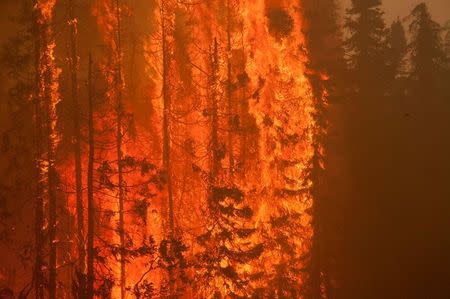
(230, 118)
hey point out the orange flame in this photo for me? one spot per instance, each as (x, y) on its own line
(270, 89)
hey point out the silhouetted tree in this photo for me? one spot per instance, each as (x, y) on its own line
(282, 279)
(426, 51)
(226, 246)
(166, 13)
(366, 47)
(145, 178)
(76, 116)
(90, 248)
(120, 113)
(326, 74)
(398, 47)
(172, 258)
(215, 149)
(397, 50)
(47, 97)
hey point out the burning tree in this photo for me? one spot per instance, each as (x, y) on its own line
(228, 250)
(46, 99)
(189, 132)
(282, 279)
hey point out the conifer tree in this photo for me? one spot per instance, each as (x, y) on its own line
(227, 246)
(282, 279)
(47, 97)
(367, 143)
(325, 52)
(366, 46)
(171, 247)
(397, 50)
(90, 249)
(76, 116)
(426, 51)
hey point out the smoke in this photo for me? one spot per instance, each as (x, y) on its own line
(280, 22)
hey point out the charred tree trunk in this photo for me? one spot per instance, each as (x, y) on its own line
(90, 191)
(243, 140)
(214, 116)
(244, 128)
(316, 250)
(51, 175)
(81, 268)
(48, 101)
(230, 110)
(38, 274)
(45, 154)
(119, 139)
(166, 136)
(166, 118)
(52, 227)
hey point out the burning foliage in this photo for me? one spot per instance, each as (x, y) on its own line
(197, 196)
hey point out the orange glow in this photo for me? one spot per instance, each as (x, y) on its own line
(261, 54)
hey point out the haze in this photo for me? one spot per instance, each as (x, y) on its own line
(440, 9)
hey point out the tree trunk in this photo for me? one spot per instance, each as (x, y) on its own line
(230, 110)
(119, 139)
(214, 116)
(38, 273)
(90, 191)
(51, 175)
(244, 130)
(316, 251)
(81, 269)
(52, 223)
(46, 74)
(166, 136)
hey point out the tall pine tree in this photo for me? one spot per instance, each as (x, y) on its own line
(366, 46)
(397, 49)
(325, 53)
(427, 53)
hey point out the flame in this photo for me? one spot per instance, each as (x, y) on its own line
(283, 109)
(271, 97)
(48, 72)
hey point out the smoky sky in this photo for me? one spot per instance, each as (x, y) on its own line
(440, 9)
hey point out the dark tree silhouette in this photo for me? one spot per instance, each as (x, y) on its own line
(366, 47)
(326, 53)
(426, 51)
(281, 279)
(226, 246)
(398, 47)
(396, 59)
(90, 248)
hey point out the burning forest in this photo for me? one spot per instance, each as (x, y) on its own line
(189, 149)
